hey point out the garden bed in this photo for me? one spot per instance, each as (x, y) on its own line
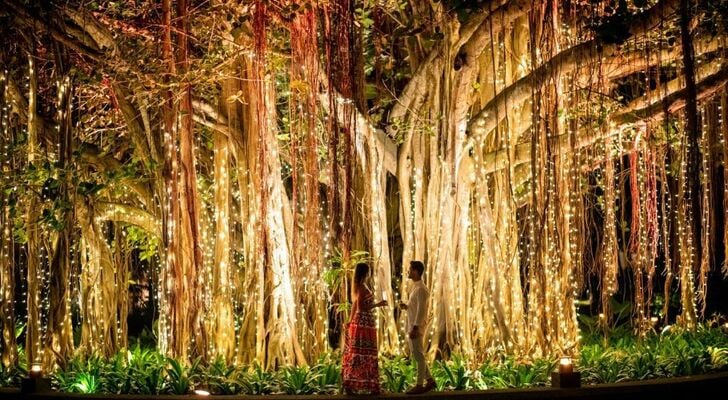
(663, 388)
(620, 363)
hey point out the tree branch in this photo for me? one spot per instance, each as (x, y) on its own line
(566, 61)
(128, 214)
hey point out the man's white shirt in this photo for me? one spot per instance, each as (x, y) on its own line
(417, 306)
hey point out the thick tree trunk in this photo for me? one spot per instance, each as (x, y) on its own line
(60, 336)
(9, 354)
(693, 159)
(99, 287)
(223, 329)
(189, 217)
(33, 338)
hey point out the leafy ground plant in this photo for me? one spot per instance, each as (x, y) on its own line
(672, 352)
(396, 374)
(298, 380)
(453, 374)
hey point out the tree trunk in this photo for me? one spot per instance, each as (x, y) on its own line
(223, 330)
(9, 354)
(693, 196)
(33, 341)
(60, 337)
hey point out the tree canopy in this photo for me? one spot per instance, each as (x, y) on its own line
(233, 159)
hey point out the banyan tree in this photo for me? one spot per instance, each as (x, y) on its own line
(228, 161)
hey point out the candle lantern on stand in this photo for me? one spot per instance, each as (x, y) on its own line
(565, 376)
(35, 382)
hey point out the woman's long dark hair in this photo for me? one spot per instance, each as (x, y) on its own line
(360, 273)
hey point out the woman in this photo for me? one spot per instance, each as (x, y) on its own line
(359, 363)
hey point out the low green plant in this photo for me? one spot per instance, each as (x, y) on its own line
(520, 374)
(673, 352)
(11, 376)
(642, 364)
(180, 377)
(328, 374)
(452, 374)
(298, 380)
(223, 378)
(397, 374)
(146, 369)
(718, 357)
(86, 382)
(599, 365)
(486, 377)
(259, 381)
(681, 355)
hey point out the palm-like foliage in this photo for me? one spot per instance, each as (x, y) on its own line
(298, 380)
(180, 377)
(328, 373)
(143, 371)
(86, 382)
(453, 374)
(259, 381)
(396, 374)
(223, 378)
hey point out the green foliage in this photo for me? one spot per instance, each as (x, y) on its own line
(328, 374)
(146, 243)
(298, 380)
(593, 329)
(599, 365)
(259, 381)
(82, 375)
(452, 374)
(674, 352)
(512, 373)
(89, 188)
(224, 379)
(718, 357)
(85, 382)
(396, 374)
(11, 376)
(146, 369)
(180, 377)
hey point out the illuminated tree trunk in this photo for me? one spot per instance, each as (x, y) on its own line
(270, 320)
(60, 336)
(9, 356)
(99, 287)
(723, 124)
(691, 198)
(223, 339)
(121, 261)
(182, 328)
(33, 344)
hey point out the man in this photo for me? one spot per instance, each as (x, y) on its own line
(416, 324)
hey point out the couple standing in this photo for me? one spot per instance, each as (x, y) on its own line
(359, 363)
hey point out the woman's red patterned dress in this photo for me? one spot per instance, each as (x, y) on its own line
(359, 363)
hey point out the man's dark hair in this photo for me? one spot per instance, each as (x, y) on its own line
(418, 266)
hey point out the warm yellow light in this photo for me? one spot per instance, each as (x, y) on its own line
(36, 371)
(565, 365)
(202, 392)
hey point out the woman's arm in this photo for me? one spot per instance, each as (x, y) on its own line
(355, 305)
(382, 303)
